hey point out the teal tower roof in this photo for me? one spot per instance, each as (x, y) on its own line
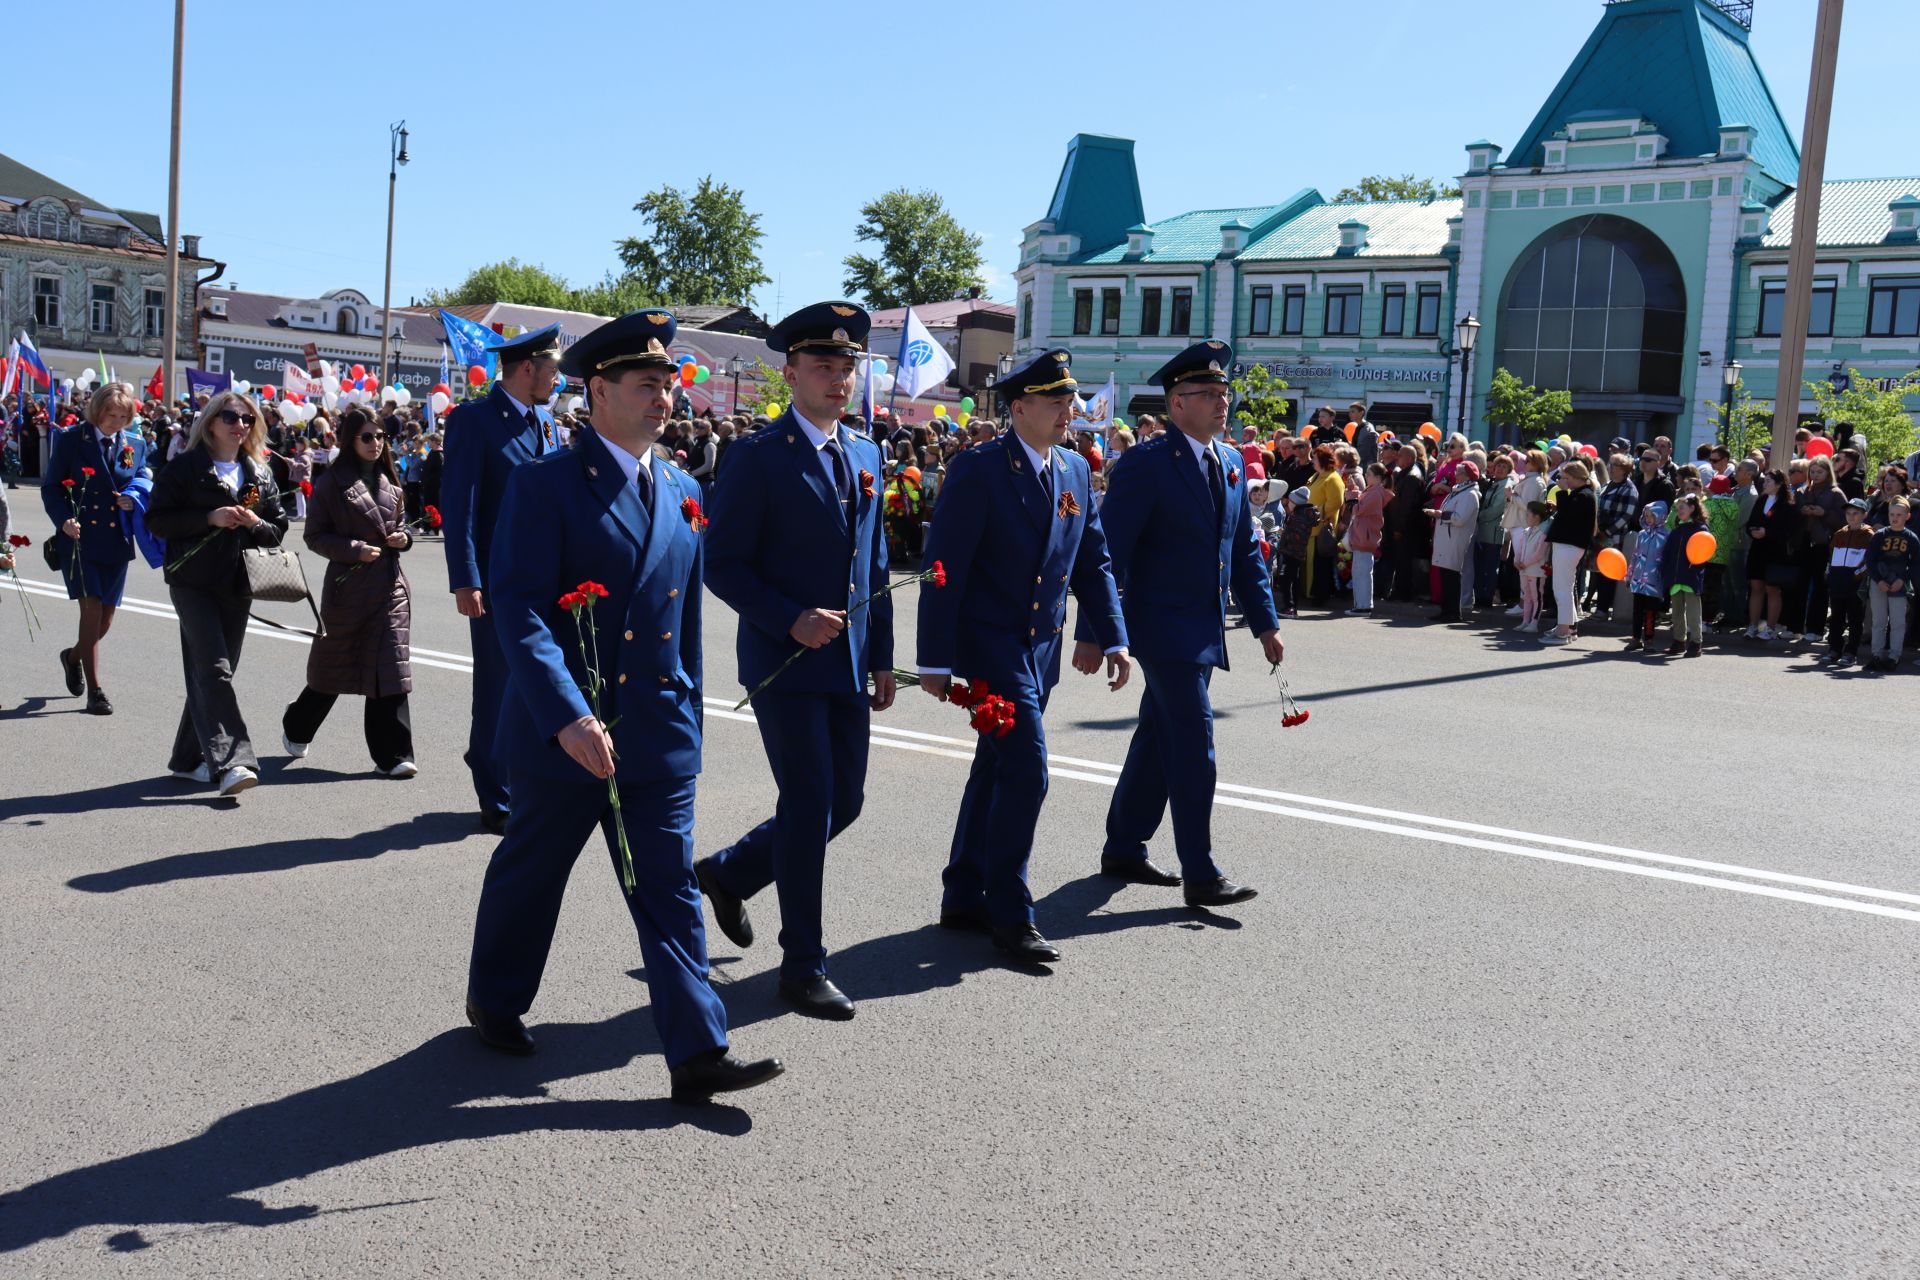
(1098, 195)
(1687, 66)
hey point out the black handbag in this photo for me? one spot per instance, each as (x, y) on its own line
(50, 551)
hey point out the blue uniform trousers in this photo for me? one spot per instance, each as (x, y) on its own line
(520, 903)
(489, 689)
(817, 748)
(993, 835)
(1169, 763)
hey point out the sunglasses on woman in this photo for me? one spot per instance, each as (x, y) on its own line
(234, 418)
(368, 437)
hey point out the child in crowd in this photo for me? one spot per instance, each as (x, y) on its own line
(1530, 559)
(1846, 574)
(1893, 558)
(1643, 575)
(1682, 578)
(1296, 540)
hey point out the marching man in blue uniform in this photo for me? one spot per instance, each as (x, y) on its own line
(796, 543)
(1177, 525)
(486, 440)
(605, 512)
(100, 457)
(1015, 530)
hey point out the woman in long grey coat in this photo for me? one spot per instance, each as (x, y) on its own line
(357, 520)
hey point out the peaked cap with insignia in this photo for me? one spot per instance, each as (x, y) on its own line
(636, 338)
(825, 328)
(529, 346)
(1050, 373)
(1208, 361)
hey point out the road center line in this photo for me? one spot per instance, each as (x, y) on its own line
(1343, 813)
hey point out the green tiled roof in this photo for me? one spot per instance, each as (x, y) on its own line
(1098, 194)
(1188, 237)
(1853, 211)
(1682, 64)
(1395, 229)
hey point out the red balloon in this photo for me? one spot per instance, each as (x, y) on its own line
(443, 389)
(476, 376)
(359, 371)
(266, 393)
(1819, 447)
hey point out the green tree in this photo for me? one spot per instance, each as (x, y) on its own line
(766, 389)
(701, 249)
(1880, 416)
(1748, 428)
(613, 296)
(1537, 413)
(1382, 186)
(924, 255)
(513, 281)
(1261, 406)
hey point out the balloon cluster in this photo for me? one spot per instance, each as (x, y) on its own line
(692, 372)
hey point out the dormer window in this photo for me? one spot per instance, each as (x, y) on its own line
(49, 222)
(1481, 156)
(1139, 240)
(1906, 215)
(1556, 155)
(1233, 236)
(1353, 234)
(1736, 140)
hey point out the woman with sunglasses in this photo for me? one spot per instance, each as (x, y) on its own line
(357, 520)
(210, 503)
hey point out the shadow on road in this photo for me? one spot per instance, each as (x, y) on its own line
(449, 1089)
(417, 832)
(34, 708)
(137, 793)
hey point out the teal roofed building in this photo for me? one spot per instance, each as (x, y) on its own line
(1631, 243)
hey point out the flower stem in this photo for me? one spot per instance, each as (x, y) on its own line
(855, 607)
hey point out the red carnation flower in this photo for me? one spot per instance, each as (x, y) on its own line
(1233, 477)
(572, 600)
(1266, 551)
(306, 488)
(691, 510)
(590, 588)
(87, 472)
(433, 518)
(940, 580)
(19, 540)
(68, 482)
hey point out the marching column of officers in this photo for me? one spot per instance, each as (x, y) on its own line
(796, 548)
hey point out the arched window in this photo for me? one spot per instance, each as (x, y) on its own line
(50, 222)
(1597, 307)
(346, 321)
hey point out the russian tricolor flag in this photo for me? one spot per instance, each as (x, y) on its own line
(23, 360)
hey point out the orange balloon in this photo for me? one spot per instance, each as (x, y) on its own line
(1612, 565)
(1306, 429)
(1429, 432)
(1351, 428)
(1700, 547)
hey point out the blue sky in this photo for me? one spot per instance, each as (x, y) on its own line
(534, 129)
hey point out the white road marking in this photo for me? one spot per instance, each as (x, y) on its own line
(1469, 835)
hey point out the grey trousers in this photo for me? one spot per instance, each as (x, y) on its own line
(212, 627)
(1887, 632)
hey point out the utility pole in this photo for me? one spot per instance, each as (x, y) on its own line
(170, 326)
(1806, 232)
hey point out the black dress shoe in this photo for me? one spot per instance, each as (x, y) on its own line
(1026, 945)
(493, 821)
(70, 668)
(718, 1071)
(97, 704)
(1219, 893)
(818, 998)
(508, 1035)
(966, 919)
(1138, 871)
(729, 912)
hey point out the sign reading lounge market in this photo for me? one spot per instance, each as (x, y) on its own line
(1422, 375)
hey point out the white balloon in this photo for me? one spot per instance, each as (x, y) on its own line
(438, 403)
(331, 399)
(330, 383)
(406, 396)
(576, 403)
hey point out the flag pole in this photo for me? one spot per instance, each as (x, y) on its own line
(172, 322)
(899, 362)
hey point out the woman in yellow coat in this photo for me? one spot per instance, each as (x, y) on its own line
(1327, 494)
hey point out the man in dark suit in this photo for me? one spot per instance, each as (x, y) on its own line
(610, 514)
(796, 543)
(486, 440)
(1015, 528)
(1178, 527)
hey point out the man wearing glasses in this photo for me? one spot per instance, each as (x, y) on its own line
(1180, 535)
(486, 440)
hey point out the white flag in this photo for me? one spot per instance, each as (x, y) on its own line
(13, 371)
(294, 379)
(1095, 414)
(923, 363)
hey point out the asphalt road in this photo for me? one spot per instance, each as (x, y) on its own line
(1564, 964)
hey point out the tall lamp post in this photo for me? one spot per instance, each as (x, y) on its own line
(735, 366)
(1729, 378)
(396, 156)
(1465, 334)
(1002, 367)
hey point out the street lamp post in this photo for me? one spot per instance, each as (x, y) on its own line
(1465, 334)
(735, 365)
(1729, 378)
(396, 156)
(1002, 367)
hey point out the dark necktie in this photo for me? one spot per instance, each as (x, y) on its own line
(842, 477)
(539, 436)
(643, 481)
(1216, 484)
(1044, 474)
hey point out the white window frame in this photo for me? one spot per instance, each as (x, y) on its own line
(34, 294)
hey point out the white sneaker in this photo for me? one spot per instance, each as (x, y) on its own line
(1515, 612)
(1765, 632)
(1554, 637)
(1531, 628)
(197, 774)
(238, 779)
(1812, 637)
(1752, 632)
(405, 769)
(297, 750)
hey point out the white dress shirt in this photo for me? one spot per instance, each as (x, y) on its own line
(818, 439)
(630, 465)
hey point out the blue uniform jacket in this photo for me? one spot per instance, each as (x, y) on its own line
(1173, 562)
(102, 540)
(574, 517)
(486, 440)
(1010, 560)
(780, 545)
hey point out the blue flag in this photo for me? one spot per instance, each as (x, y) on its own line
(443, 368)
(471, 344)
